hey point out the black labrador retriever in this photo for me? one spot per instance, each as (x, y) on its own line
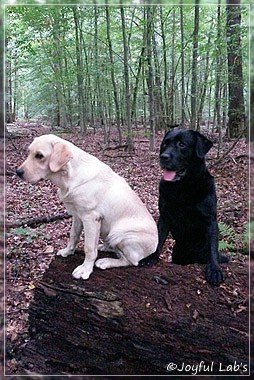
(188, 204)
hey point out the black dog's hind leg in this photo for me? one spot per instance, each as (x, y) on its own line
(223, 259)
(214, 273)
(163, 231)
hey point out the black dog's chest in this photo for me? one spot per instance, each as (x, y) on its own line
(183, 204)
(181, 196)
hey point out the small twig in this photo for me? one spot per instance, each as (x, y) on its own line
(227, 151)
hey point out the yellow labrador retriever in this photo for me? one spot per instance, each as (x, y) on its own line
(99, 200)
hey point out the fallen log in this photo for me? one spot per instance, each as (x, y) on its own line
(138, 321)
(39, 220)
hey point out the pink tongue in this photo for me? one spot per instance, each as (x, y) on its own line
(168, 175)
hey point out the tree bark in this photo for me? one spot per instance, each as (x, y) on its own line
(150, 78)
(57, 55)
(134, 321)
(194, 68)
(203, 87)
(112, 72)
(182, 67)
(127, 83)
(236, 109)
(79, 69)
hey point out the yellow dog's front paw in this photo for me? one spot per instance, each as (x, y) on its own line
(65, 252)
(82, 271)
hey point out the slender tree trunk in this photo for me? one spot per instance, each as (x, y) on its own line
(182, 68)
(218, 71)
(172, 84)
(236, 109)
(127, 84)
(194, 68)
(57, 60)
(150, 79)
(8, 85)
(135, 90)
(112, 72)
(204, 85)
(79, 69)
(144, 96)
(98, 89)
(165, 63)
(158, 98)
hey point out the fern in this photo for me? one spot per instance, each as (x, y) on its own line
(225, 246)
(228, 235)
(227, 231)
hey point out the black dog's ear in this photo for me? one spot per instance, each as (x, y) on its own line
(203, 145)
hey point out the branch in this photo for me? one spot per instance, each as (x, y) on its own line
(40, 220)
(227, 151)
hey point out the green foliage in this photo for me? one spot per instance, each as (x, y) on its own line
(229, 239)
(29, 234)
(41, 55)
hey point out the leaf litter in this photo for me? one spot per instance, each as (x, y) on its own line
(30, 250)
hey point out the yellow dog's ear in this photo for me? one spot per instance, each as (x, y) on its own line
(60, 156)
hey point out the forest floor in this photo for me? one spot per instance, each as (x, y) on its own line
(30, 250)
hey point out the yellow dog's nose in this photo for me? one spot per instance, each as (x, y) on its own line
(20, 172)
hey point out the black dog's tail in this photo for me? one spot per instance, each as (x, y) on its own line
(149, 260)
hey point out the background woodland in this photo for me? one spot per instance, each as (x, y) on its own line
(149, 66)
(112, 78)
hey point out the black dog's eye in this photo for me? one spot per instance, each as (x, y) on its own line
(180, 144)
(39, 156)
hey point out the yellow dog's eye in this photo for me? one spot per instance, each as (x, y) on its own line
(39, 156)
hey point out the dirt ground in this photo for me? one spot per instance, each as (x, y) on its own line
(29, 251)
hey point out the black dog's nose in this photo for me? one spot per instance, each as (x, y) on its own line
(164, 156)
(20, 172)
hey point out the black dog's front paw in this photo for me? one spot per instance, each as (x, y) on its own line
(214, 274)
(149, 260)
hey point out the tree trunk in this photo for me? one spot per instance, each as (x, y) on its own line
(172, 81)
(8, 89)
(150, 79)
(203, 87)
(218, 72)
(135, 90)
(58, 72)
(158, 98)
(127, 84)
(135, 321)
(182, 67)
(79, 69)
(194, 68)
(236, 109)
(112, 72)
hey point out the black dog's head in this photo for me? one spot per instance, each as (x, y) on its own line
(182, 152)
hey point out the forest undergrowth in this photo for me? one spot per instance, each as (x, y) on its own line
(30, 250)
